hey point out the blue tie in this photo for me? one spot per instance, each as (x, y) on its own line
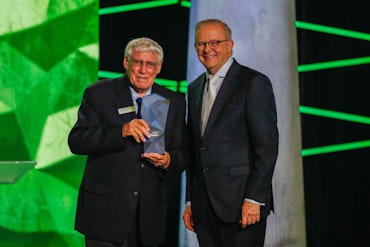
(138, 101)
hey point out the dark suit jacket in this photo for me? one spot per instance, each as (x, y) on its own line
(117, 184)
(236, 157)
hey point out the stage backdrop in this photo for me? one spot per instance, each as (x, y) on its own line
(48, 54)
(265, 39)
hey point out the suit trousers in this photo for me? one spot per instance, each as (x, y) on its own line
(133, 239)
(213, 232)
(89, 242)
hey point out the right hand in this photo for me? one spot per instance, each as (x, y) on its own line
(187, 218)
(250, 214)
(137, 128)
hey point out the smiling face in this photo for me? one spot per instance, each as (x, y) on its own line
(142, 68)
(213, 59)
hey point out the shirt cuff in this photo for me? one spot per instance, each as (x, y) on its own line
(253, 201)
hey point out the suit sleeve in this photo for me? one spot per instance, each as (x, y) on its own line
(92, 134)
(177, 139)
(262, 124)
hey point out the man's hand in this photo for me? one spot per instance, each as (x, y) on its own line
(137, 128)
(187, 218)
(158, 160)
(250, 214)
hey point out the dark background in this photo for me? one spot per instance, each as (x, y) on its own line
(336, 184)
(337, 197)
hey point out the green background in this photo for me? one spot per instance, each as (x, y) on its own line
(49, 53)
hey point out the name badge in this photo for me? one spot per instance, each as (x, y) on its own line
(125, 110)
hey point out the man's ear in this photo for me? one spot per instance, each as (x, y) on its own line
(125, 62)
(159, 67)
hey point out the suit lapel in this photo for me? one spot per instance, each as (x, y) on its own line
(124, 99)
(197, 99)
(230, 82)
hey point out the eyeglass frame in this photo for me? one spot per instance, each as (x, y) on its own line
(204, 44)
(139, 63)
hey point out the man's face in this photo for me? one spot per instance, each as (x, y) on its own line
(213, 58)
(142, 69)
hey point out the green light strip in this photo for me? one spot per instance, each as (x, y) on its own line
(335, 148)
(186, 4)
(335, 31)
(170, 84)
(333, 64)
(136, 6)
(334, 114)
(329, 65)
(340, 116)
(108, 74)
(332, 30)
(183, 86)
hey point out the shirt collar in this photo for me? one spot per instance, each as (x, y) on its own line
(223, 70)
(134, 94)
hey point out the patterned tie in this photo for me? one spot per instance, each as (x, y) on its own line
(210, 96)
(138, 101)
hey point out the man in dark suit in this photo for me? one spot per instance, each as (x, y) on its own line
(233, 150)
(122, 197)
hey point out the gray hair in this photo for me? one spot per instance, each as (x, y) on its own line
(142, 45)
(227, 29)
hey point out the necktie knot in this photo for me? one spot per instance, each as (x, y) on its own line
(139, 101)
(212, 87)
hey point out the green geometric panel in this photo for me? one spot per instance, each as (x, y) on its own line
(38, 205)
(44, 72)
(49, 53)
(12, 147)
(54, 144)
(49, 43)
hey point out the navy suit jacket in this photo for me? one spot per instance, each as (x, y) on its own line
(236, 156)
(118, 185)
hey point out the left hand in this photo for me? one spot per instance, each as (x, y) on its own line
(187, 218)
(158, 160)
(250, 214)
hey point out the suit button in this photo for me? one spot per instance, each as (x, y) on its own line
(136, 193)
(205, 170)
(142, 165)
(202, 148)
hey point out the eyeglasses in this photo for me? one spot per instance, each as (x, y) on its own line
(213, 44)
(138, 63)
